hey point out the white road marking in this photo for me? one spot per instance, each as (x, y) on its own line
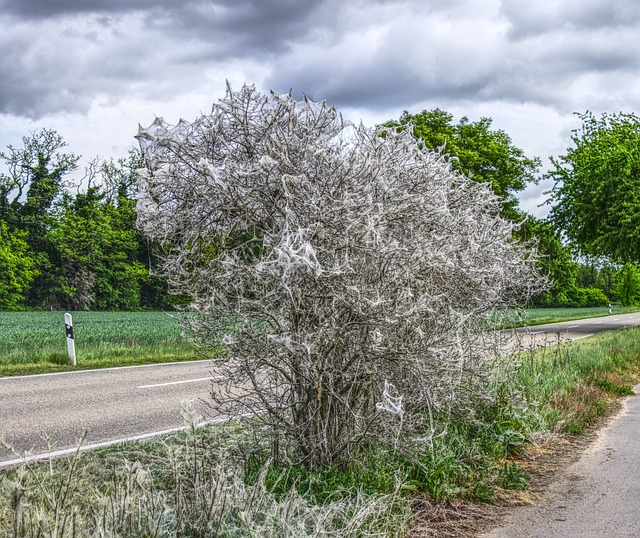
(584, 336)
(68, 451)
(175, 382)
(597, 322)
(572, 326)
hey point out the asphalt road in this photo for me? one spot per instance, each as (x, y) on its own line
(576, 329)
(48, 412)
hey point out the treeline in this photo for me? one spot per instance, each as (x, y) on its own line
(66, 247)
(66, 250)
(577, 280)
(589, 245)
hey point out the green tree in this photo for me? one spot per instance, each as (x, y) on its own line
(120, 187)
(596, 196)
(34, 180)
(98, 248)
(119, 176)
(555, 262)
(28, 193)
(486, 155)
(596, 273)
(628, 286)
(16, 268)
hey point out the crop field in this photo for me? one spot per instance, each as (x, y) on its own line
(33, 342)
(537, 316)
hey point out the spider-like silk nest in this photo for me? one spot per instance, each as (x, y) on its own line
(335, 263)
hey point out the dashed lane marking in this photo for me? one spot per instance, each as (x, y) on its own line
(217, 378)
(583, 336)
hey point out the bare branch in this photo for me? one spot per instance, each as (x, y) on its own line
(334, 262)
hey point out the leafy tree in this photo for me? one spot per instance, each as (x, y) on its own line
(34, 181)
(628, 285)
(119, 177)
(345, 271)
(596, 196)
(119, 180)
(17, 268)
(485, 155)
(597, 273)
(98, 248)
(28, 193)
(555, 262)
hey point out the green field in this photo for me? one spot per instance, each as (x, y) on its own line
(34, 342)
(538, 316)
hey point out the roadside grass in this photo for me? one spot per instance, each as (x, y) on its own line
(201, 483)
(35, 342)
(574, 384)
(540, 316)
(183, 484)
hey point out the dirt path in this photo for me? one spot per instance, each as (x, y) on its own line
(596, 496)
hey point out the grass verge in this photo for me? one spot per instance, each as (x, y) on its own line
(195, 484)
(540, 316)
(35, 342)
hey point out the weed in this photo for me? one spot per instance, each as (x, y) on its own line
(512, 476)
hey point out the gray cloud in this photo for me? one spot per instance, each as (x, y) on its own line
(233, 27)
(61, 53)
(528, 19)
(64, 56)
(61, 66)
(46, 9)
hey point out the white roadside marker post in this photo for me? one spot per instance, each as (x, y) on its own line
(71, 347)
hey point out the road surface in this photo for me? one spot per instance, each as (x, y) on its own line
(596, 497)
(109, 404)
(123, 403)
(576, 329)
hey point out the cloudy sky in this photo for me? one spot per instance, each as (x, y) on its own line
(94, 69)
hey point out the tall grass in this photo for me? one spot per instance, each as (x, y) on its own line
(36, 342)
(177, 486)
(572, 385)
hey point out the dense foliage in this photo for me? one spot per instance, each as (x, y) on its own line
(16, 267)
(597, 185)
(485, 155)
(61, 250)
